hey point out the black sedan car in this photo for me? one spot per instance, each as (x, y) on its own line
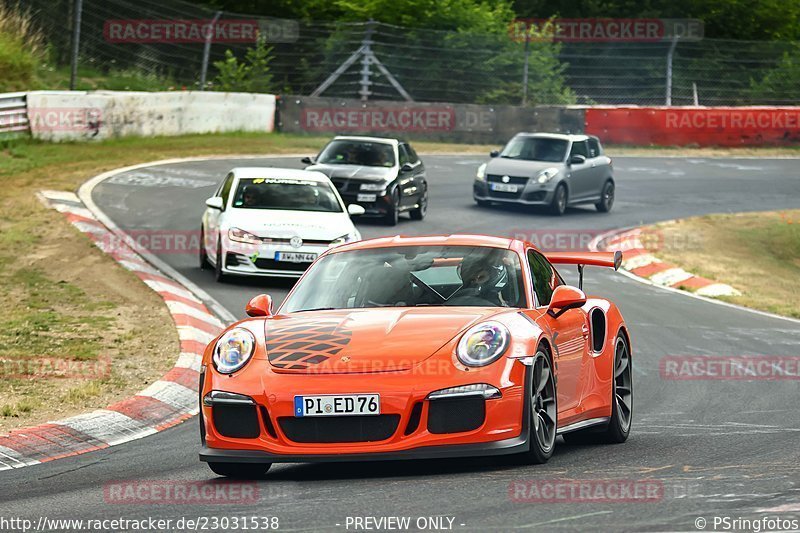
(384, 176)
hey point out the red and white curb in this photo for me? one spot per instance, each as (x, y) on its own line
(642, 263)
(167, 402)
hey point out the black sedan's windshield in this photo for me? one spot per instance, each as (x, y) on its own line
(536, 149)
(411, 276)
(363, 153)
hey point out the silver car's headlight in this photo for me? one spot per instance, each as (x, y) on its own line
(373, 187)
(481, 175)
(233, 350)
(482, 344)
(546, 175)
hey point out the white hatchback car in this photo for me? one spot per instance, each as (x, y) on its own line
(273, 222)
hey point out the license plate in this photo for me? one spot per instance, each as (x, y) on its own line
(337, 405)
(367, 197)
(295, 257)
(503, 187)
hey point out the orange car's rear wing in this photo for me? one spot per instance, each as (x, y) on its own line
(602, 259)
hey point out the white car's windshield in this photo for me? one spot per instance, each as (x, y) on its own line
(287, 194)
(363, 153)
(411, 276)
(535, 149)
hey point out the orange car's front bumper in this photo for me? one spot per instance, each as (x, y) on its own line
(403, 398)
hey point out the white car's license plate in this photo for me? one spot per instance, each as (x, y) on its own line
(295, 257)
(504, 187)
(337, 405)
(367, 197)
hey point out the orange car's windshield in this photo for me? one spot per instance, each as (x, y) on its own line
(411, 276)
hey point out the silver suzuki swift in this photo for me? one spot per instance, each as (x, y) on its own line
(547, 169)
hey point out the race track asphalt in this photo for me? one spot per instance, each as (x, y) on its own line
(716, 447)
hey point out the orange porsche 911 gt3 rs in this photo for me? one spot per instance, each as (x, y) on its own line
(418, 347)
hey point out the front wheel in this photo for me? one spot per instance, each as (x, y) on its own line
(607, 199)
(392, 216)
(219, 275)
(543, 410)
(422, 208)
(240, 470)
(559, 203)
(203, 256)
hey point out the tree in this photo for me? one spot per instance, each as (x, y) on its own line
(251, 75)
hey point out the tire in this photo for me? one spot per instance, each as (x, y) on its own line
(543, 423)
(219, 275)
(202, 255)
(240, 470)
(619, 426)
(559, 203)
(607, 199)
(483, 203)
(392, 216)
(419, 212)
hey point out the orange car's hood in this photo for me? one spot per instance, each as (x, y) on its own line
(364, 340)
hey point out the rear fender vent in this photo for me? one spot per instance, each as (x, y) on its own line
(598, 319)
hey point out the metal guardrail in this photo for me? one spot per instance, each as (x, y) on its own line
(14, 113)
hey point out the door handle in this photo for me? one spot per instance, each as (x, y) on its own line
(585, 331)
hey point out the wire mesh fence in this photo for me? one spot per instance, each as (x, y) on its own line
(161, 44)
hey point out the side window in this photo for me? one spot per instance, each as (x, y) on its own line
(580, 148)
(403, 154)
(413, 158)
(544, 276)
(225, 191)
(594, 147)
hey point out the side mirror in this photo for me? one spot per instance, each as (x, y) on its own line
(407, 167)
(565, 298)
(355, 210)
(215, 202)
(260, 305)
(494, 153)
(577, 159)
(307, 161)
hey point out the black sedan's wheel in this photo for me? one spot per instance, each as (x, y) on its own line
(392, 216)
(483, 203)
(607, 199)
(240, 470)
(422, 208)
(203, 256)
(559, 203)
(619, 426)
(219, 275)
(543, 409)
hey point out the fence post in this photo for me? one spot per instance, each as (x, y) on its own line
(76, 40)
(670, 55)
(525, 69)
(366, 61)
(207, 50)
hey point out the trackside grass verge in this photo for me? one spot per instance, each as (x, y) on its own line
(64, 301)
(757, 253)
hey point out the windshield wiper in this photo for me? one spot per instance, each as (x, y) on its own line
(318, 309)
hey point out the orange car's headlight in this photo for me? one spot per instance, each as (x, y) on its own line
(233, 350)
(482, 344)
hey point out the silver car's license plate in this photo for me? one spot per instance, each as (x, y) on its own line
(504, 187)
(337, 405)
(295, 257)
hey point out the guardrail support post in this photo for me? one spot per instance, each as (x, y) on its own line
(76, 41)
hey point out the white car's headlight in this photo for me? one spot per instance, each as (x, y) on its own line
(481, 175)
(350, 237)
(240, 235)
(482, 344)
(373, 187)
(546, 175)
(233, 350)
